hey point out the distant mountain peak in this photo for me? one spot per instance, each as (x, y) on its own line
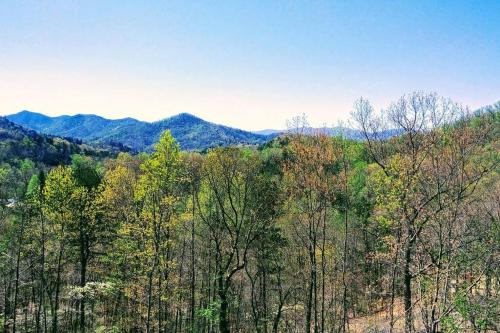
(28, 113)
(184, 116)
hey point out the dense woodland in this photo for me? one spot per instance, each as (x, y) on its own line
(307, 233)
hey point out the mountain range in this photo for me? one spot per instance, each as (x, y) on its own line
(191, 132)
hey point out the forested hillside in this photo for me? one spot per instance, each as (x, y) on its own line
(18, 143)
(306, 233)
(192, 133)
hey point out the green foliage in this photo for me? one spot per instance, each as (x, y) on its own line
(210, 312)
(85, 171)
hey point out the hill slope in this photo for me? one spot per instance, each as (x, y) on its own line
(191, 132)
(18, 143)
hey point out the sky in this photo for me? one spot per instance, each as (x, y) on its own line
(247, 64)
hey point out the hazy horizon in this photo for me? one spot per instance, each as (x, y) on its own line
(245, 65)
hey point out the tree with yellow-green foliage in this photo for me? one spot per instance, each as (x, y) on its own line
(158, 197)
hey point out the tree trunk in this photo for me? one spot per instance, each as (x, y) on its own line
(83, 278)
(150, 296)
(310, 296)
(344, 271)
(42, 274)
(58, 288)
(193, 277)
(407, 277)
(16, 290)
(224, 320)
(224, 306)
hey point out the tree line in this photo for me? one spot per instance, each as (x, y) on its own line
(307, 233)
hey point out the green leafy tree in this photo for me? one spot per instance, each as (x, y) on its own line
(158, 195)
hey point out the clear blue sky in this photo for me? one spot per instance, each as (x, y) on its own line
(249, 64)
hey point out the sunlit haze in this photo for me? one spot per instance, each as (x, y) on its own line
(246, 64)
